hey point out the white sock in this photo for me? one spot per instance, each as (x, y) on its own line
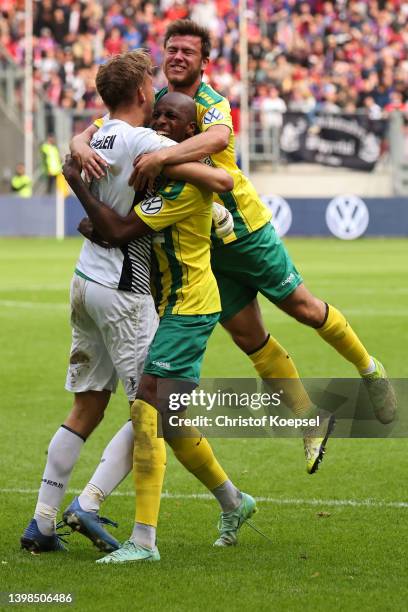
(63, 453)
(370, 369)
(144, 535)
(228, 496)
(91, 498)
(46, 518)
(115, 465)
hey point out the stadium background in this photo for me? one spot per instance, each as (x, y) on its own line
(338, 538)
(344, 59)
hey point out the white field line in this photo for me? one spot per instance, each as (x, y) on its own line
(373, 312)
(357, 312)
(368, 312)
(47, 287)
(275, 501)
(35, 305)
(320, 284)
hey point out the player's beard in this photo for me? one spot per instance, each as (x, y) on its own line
(187, 81)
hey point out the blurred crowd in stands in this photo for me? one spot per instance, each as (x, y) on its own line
(316, 55)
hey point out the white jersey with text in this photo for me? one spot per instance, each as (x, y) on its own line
(128, 267)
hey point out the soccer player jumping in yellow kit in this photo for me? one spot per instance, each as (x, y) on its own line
(181, 216)
(253, 259)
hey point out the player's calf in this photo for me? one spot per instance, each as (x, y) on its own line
(304, 307)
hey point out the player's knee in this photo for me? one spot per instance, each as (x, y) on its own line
(309, 312)
(147, 390)
(244, 341)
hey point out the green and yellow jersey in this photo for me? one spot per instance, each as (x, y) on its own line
(183, 280)
(243, 202)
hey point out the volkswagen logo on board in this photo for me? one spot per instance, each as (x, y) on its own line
(347, 217)
(281, 213)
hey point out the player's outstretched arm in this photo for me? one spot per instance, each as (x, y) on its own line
(205, 177)
(150, 165)
(110, 226)
(93, 165)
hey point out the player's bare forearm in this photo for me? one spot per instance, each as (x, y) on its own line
(214, 140)
(202, 176)
(93, 165)
(84, 138)
(147, 167)
(110, 226)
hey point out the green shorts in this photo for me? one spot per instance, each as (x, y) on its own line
(256, 262)
(179, 345)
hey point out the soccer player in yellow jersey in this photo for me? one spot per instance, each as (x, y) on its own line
(252, 259)
(188, 304)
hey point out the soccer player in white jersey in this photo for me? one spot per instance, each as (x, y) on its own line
(112, 311)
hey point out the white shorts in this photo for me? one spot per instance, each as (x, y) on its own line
(111, 333)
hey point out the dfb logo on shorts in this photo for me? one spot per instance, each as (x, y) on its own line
(281, 213)
(212, 116)
(152, 206)
(347, 217)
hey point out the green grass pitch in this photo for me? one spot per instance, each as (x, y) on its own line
(351, 557)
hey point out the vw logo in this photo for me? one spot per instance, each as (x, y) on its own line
(152, 205)
(281, 213)
(347, 217)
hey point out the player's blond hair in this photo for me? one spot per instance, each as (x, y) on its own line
(118, 80)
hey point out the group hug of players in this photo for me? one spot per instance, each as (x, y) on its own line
(199, 238)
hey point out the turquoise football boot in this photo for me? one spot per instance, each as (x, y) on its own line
(231, 522)
(130, 552)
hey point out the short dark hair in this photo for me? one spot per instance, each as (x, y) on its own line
(186, 27)
(118, 79)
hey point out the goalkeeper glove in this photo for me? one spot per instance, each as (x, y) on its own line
(223, 221)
